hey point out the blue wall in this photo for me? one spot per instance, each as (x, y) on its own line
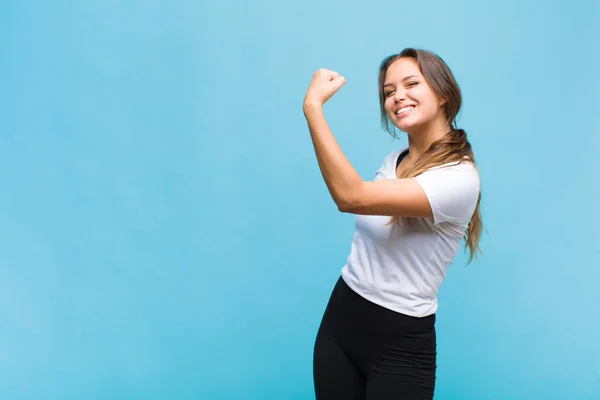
(165, 232)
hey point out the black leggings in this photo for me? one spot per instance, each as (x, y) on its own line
(365, 351)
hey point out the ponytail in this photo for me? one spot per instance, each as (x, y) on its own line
(453, 147)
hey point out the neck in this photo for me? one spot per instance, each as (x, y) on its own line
(421, 138)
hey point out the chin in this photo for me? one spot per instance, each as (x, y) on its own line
(410, 124)
(405, 126)
(401, 123)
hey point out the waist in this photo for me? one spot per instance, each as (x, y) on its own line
(373, 314)
(397, 295)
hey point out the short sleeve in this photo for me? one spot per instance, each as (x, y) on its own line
(452, 192)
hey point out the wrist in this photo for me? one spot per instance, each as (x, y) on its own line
(311, 106)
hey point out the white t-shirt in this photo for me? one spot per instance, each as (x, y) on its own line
(402, 267)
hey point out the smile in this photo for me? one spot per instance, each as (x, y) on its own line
(405, 109)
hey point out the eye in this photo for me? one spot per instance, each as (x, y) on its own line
(389, 93)
(412, 84)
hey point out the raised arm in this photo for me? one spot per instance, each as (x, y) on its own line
(391, 197)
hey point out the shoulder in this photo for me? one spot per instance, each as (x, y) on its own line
(388, 167)
(390, 158)
(465, 169)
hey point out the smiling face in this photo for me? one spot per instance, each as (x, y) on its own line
(409, 101)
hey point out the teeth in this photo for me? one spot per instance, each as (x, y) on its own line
(404, 109)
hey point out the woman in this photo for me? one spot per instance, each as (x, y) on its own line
(377, 339)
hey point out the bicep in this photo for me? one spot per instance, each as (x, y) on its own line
(443, 194)
(390, 197)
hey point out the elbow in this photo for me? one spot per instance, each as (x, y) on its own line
(350, 200)
(343, 207)
(347, 205)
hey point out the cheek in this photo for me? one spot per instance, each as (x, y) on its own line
(388, 105)
(429, 98)
(424, 101)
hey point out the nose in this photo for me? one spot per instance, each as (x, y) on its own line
(399, 95)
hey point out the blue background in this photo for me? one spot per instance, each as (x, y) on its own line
(165, 232)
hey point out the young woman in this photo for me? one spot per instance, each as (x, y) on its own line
(377, 338)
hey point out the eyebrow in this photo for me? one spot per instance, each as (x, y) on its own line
(403, 79)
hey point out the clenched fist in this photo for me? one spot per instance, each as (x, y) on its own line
(323, 85)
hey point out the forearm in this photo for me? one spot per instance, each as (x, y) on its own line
(340, 177)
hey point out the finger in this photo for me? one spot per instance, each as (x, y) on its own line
(338, 82)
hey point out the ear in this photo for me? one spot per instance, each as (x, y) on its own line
(442, 102)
